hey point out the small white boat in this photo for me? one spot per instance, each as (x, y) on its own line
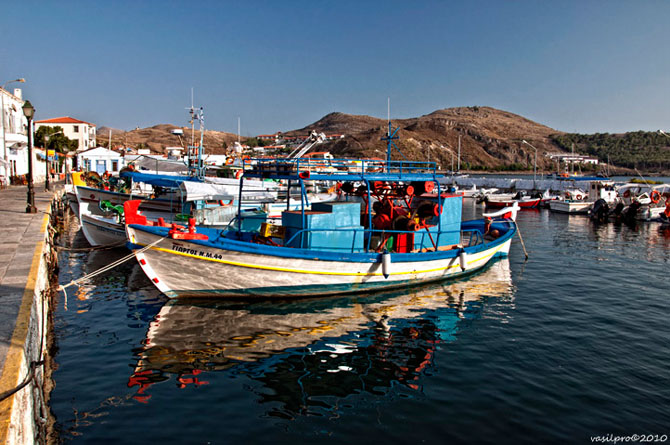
(471, 192)
(578, 202)
(648, 201)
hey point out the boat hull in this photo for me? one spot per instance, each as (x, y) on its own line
(571, 207)
(182, 268)
(101, 231)
(523, 204)
(170, 203)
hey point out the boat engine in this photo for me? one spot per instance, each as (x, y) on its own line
(629, 214)
(600, 211)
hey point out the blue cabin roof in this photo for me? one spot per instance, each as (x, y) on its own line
(342, 170)
(158, 180)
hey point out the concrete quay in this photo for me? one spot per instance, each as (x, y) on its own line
(26, 257)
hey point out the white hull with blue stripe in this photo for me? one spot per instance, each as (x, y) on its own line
(181, 268)
(389, 229)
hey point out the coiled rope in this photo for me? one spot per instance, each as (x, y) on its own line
(106, 268)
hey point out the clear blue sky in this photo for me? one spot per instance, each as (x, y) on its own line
(585, 66)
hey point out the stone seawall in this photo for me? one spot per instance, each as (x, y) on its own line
(24, 410)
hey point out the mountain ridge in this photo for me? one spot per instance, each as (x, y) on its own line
(490, 139)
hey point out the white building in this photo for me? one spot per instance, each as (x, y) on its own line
(13, 136)
(100, 160)
(572, 158)
(80, 131)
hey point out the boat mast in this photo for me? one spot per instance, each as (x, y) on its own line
(390, 137)
(195, 152)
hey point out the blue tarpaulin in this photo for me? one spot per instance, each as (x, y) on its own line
(159, 180)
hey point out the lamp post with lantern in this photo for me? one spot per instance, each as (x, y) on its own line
(29, 112)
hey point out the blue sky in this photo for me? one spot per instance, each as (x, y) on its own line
(585, 66)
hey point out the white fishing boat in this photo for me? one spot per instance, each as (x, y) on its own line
(212, 205)
(578, 202)
(403, 235)
(646, 201)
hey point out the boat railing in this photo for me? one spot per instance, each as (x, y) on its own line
(271, 167)
(427, 239)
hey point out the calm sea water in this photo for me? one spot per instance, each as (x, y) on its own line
(570, 344)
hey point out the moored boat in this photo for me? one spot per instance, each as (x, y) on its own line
(400, 235)
(578, 202)
(644, 202)
(520, 198)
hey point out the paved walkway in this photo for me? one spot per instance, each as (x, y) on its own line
(20, 233)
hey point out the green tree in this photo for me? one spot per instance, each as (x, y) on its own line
(54, 139)
(252, 142)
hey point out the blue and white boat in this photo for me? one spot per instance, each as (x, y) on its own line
(389, 229)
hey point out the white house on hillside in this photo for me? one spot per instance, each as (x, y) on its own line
(100, 160)
(80, 131)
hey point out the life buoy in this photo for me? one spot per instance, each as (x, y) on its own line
(229, 160)
(239, 174)
(655, 197)
(224, 204)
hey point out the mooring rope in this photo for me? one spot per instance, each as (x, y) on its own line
(106, 268)
(88, 249)
(521, 239)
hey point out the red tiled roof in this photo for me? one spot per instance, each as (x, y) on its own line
(63, 120)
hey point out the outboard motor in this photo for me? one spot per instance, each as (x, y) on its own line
(629, 214)
(618, 209)
(600, 211)
(519, 195)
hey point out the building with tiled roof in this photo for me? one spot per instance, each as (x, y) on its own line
(81, 131)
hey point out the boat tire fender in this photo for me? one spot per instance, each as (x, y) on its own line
(386, 264)
(463, 259)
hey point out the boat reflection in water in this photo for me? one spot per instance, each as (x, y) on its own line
(310, 349)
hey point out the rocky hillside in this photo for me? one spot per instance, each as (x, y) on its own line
(158, 137)
(490, 138)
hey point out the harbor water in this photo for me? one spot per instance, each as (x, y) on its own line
(571, 344)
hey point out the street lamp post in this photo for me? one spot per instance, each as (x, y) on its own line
(452, 158)
(29, 112)
(46, 157)
(535, 162)
(2, 119)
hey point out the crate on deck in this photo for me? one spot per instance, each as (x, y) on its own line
(342, 216)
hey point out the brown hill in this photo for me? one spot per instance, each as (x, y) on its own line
(160, 136)
(490, 138)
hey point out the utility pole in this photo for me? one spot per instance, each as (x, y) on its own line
(459, 153)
